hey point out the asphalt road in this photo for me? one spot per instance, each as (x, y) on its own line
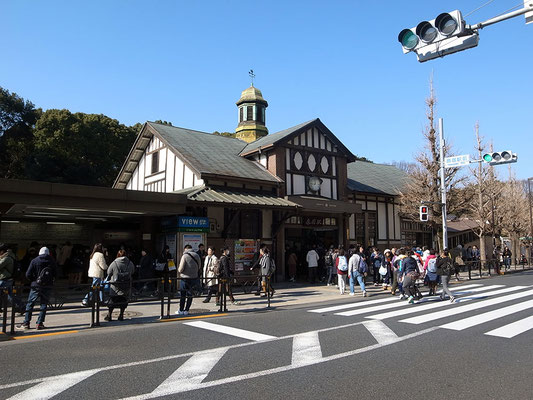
(431, 350)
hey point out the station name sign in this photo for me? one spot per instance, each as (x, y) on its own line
(185, 224)
(193, 222)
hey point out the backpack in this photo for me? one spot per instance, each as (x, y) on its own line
(343, 265)
(123, 276)
(272, 268)
(329, 259)
(432, 265)
(362, 268)
(46, 277)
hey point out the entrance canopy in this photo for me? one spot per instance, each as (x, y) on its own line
(35, 200)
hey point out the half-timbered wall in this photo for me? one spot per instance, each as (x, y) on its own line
(160, 170)
(312, 154)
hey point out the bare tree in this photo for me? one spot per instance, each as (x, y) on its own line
(424, 177)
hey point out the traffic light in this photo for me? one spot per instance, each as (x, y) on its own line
(500, 157)
(443, 35)
(424, 213)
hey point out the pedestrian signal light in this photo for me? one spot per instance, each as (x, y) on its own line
(424, 216)
(500, 157)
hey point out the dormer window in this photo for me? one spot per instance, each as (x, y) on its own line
(155, 162)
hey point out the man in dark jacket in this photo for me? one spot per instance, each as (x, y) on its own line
(444, 269)
(41, 274)
(225, 273)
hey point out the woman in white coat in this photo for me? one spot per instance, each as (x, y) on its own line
(210, 273)
(97, 269)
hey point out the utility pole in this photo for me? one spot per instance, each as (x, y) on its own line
(443, 185)
(530, 217)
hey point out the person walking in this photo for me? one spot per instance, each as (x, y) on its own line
(292, 261)
(507, 254)
(7, 272)
(354, 272)
(97, 269)
(312, 264)
(211, 266)
(410, 275)
(430, 267)
(376, 259)
(267, 269)
(41, 273)
(329, 260)
(445, 268)
(342, 270)
(386, 269)
(188, 278)
(119, 275)
(225, 275)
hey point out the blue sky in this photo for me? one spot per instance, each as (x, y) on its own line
(187, 62)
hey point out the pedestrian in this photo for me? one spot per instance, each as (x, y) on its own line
(355, 272)
(167, 268)
(147, 272)
(445, 269)
(97, 269)
(342, 270)
(430, 267)
(312, 264)
(7, 273)
(397, 274)
(119, 275)
(376, 259)
(507, 254)
(410, 275)
(188, 278)
(225, 274)
(329, 261)
(202, 253)
(210, 273)
(458, 262)
(292, 261)
(386, 269)
(267, 269)
(41, 273)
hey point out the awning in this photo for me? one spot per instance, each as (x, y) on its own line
(235, 197)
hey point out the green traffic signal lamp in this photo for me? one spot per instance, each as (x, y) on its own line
(487, 157)
(408, 39)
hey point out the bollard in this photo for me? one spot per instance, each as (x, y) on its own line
(480, 272)
(97, 301)
(469, 271)
(160, 286)
(168, 294)
(13, 311)
(226, 294)
(4, 310)
(268, 291)
(488, 267)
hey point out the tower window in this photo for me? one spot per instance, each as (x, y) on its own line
(249, 113)
(155, 162)
(241, 114)
(260, 114)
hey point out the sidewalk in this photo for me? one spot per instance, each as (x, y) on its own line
(74, 318)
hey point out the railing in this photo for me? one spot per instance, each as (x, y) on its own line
(164, 290)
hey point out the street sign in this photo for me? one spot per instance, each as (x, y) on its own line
(457, 161)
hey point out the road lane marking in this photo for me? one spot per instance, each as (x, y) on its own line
(488, 316)
(43, 334)
(466, 308)
(52, 387)
(191, 373)
(287, 368)
(193, 317)
(381, 332)
(190, 354)
(306, 349)
(436, 303)
(365, 303)
(230, 331)
(511, 330)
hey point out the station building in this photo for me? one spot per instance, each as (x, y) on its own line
(290, 189)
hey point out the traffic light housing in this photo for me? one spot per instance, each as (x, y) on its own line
(443, 35)
(424, 213)
(500, 157)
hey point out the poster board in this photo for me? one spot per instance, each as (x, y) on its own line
(244, 253)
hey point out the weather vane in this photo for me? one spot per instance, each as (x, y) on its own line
(252, 75)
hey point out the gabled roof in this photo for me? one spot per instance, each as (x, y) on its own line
(369, 177)
(288, 134)
(204, 153)
(235, 197)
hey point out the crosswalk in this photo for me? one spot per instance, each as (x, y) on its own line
(469, 307)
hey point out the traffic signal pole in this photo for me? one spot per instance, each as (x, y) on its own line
(528, 7)
(443, 186)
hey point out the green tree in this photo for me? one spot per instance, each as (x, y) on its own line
(87, 149)
(17, 119)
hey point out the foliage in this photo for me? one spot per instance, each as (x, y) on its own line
(227, 134)
(17, 119)
(158, 121)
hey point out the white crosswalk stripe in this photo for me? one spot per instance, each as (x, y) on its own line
(437, 303)
(475, 296)
(403, 304)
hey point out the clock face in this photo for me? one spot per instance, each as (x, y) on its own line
(314, 183)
